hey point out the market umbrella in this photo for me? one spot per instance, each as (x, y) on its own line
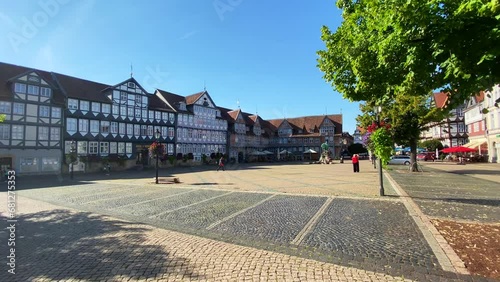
(310, 151)
(266, 152)
(458, 149)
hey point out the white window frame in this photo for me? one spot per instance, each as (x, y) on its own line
(122, 128)
(71, 124)
(114, 127)
(106, 108)
(43, 133)
(43, 111)
(121, 148)
(84, 105)
(18, 109)
(56, 112)
(105, 127)
(93, 147)
(4, 131)
(20, 87)
(81, 147)
(17, 132)
(5, 107)
(113, 147)
(128, 148)
(130, 129)
(33, 90)
(96, 107)
(55, 133)
(73, 104)
(104, 148)
(83, 125)
(94, 126)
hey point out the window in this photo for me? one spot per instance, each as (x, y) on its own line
(17, 132)
(171, 132)
(144, 114)
(33, 90)
(94, 126)
(4, 131)
(43, 133)
(106, 108)
(93, 147)
(123, 97)
(164, 117)
(121, 148)
(138, 101)
(20, 87)
(158, 116)
(137, 130)
(171, 117)
(112, 147)
(114, 127)
(28, 165)
(131, 100)
(128, 148)
(81, 147)
(150, 130)
(45, 92)
(138, 113)
(116, 110)
(44, 111)
(123, 110)
(96, 107)
(130, 129)
(71, 124)
(4, 107)
(461, 127)
(170, 148)
(130, 112)
(104, 126)
(72, 104)
(55, 133)
(84, 105)
(18, 109)
(121, 128)
(50, 164)
(83, 125)
(144, 101)
(151, 115)
(56, 112)
(144, 130)
(104, 148)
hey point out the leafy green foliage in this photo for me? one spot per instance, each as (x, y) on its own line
(2, 118)
(382, 141)
(431, 145)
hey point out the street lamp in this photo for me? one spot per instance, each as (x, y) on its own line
(72, 150)
(378, 110)
(157, 135)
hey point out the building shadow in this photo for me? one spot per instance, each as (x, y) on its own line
(61, 245)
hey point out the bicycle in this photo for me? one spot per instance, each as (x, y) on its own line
(419, 167)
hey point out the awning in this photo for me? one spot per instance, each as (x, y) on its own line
(476, 144)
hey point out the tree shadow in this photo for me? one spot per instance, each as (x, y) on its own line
(60, 245)
(475, 171)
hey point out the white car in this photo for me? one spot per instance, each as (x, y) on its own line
(400, 160)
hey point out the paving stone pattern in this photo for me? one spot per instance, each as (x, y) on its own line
(376, 230)
(450, 195)
(280, 219)
(201, 216)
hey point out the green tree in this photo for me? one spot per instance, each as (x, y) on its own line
(2, 118)
(431, 145)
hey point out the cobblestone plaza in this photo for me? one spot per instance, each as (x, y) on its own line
(280, 222)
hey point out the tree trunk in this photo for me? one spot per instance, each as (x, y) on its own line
(413, 156)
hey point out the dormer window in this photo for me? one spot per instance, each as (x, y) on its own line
(131, 85)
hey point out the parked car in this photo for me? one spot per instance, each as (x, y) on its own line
(426, 156)
(400, 160)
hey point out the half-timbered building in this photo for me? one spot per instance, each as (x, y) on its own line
(31, 134)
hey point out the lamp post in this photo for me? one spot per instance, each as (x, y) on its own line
(72, 151)
(157, 135)
(378, 110)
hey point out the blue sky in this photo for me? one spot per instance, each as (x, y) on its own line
(260, 53)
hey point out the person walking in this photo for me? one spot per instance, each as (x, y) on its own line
(355, 162)
(221, 164)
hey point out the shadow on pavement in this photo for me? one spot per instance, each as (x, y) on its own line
(476, 171)
(58, 245)
(482, 202)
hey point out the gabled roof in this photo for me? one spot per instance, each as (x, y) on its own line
(440, 98)
(309, 123)
(234, 114)
(155, 103)
(172, 99)
(9, 72)
(82, 89)
(191, 99)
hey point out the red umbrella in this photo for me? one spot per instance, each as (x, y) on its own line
(458, 149)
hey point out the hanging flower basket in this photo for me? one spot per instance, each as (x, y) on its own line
(155, 149)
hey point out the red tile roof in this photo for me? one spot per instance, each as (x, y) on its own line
(191, 99)
(440, 98)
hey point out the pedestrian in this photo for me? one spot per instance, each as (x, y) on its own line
(221, 164)
(355, 162)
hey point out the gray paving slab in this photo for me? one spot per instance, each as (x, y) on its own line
(280, 219)
(371, 229)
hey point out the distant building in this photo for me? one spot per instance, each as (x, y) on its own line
(450, 131)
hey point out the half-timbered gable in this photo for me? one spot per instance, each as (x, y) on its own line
(30, 137)
(199, 126)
